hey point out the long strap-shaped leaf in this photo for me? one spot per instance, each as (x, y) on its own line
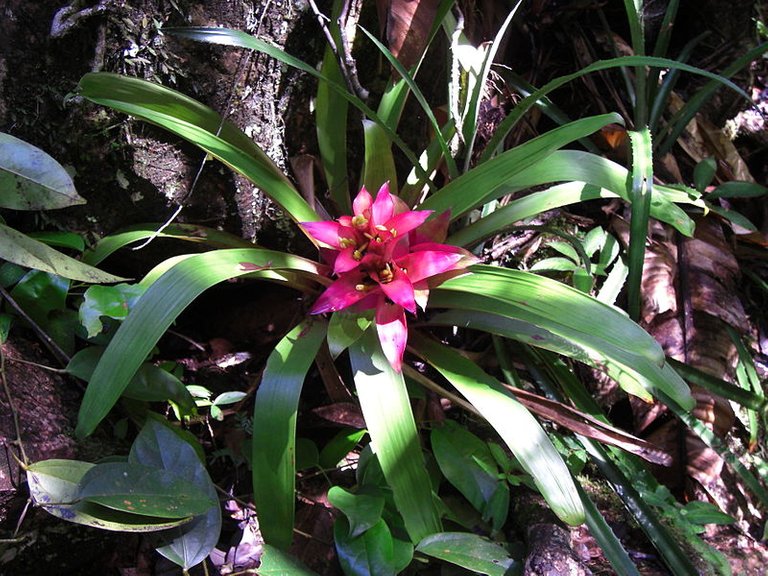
(640, 194)
(575, 168)
(387, 411)
(568, 321)
(158, 307)
(274, 429)
(516, 426)
(198, 124)
(470, 189)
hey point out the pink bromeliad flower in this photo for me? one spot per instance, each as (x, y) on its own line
(386, 258)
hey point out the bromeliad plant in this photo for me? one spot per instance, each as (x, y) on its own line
(392, 255)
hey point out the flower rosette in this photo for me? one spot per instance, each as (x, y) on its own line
(385, 258)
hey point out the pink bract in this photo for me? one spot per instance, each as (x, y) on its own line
(385, 257)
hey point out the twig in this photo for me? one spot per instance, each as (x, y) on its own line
(54, 348)
(345, 59)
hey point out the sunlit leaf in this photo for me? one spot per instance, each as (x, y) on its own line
(516, 426)
(470, 551)
(387, 411)
(200, 125)
(110, 301)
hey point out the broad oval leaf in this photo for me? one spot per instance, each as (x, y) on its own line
(161, 446)
(370, 554)
(31, 180)
(144, 490)
(470, 551)
(54, 486)
(22, 250)
(362, 509)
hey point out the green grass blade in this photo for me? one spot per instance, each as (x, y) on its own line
(516, 426)
(387, 411)
(274, 430)
(156, 310)
(720, 387)
(527, 103)
(408, 79)
(550, 371)
(640, 196)
(637, 35)
(198, 124)
(472, 112)
(719, 446)
(331, 123)
(489, 179)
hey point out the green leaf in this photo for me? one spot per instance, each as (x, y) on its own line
(566, 321)
(339, 446)
(39, 294)
(555, 264)
(704, 172)
(163, 301)
(54, 485)
(516, 426)
(5, 327)
(379, 164)
(110, 301)
(736, 189)
(607, 179)
(489, 180)
(640, 200)
(274, 429)
(703, 513)
(371, 554)
(470, 551)
(160, 446)
(528, 102)
(344, 329)
(331, 124)
(275, 562)
(22, 250)
(150, 383)
(200, 125)
(31, 180)
(60, 239)
(185, 232)
(363, 509)
(387, 411)
(457, 452)
(143, 490)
